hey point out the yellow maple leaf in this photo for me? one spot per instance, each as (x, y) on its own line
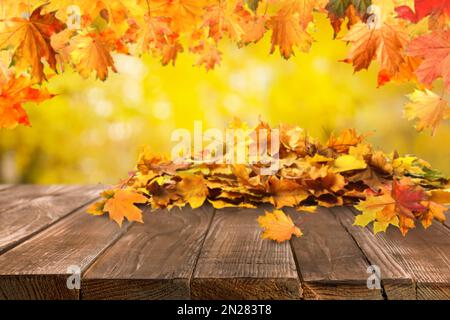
(121, 205)
(30, 39)
(278, 226)
(440, 196)
(428, 108)
(193, 189)
(91, 52)
(289, 26)
(384, 44)
(348, 163)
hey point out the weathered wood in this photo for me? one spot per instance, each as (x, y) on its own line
(22, 194)
(331, 264)
(424, 255)
(236, 263)
(39, 267)
(154, 260)
(21, 222)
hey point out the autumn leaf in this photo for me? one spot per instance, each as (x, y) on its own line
(348, 163)
(346, 139)
(384, 44)
(221, 19)
(193, 189)
(428, 108)
(13, 93)
(91, 52)
(30, 40)
(354, 10)
(422, 9)
(121, 205)
(289, 26)
(183, 13)
(434, 49)
(278, 226)
(286, 192)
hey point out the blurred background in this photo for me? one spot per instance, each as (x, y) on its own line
(92, 131)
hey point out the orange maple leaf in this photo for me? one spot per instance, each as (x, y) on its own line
(278, 226)
(384, 44)
(30, 39)
(13, 93)
(289, 26)
(91, 52)
(121, 205)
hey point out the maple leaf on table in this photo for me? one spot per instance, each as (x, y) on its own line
(120, 204)
(193, 189)
(434, 49)
(399, 205)
(30, 40)
(429, 109)
(278, 226)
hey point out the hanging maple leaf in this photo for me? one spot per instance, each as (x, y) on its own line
(434, 49)
(289, 26)
(13, 93)
(91, 52)
(221, 19)
(428, 108)
(120, 205)
(183, 13)
(278, 226)
(384, 44)
(30, 40)
(354, 10)
(424, 8)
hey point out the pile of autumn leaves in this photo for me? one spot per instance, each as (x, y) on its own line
(346, 170)
(39, 38)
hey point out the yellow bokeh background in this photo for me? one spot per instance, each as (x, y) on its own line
(92, 131)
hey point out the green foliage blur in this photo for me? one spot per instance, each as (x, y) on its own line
(92, 131)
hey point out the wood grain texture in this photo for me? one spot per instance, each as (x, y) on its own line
(331, 264)
(39, 267)
(423, 255)
(236, 263)
(21, 222)
(154, 260)
(22, 194)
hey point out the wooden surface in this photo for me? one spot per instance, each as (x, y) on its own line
(45, 235)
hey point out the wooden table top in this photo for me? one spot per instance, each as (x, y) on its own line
(205, 253)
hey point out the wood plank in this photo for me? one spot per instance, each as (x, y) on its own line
(5, 186)
(39, 267)
(21, 222)
(331, 264)
(154, 260)
(424, 255)
(22, 194)
(236, 263)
